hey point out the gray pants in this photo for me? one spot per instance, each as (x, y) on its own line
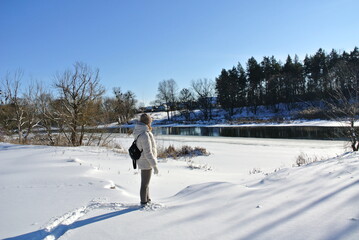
(145, 182)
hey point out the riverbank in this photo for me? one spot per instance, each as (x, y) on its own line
(264, 118)
(290, 129)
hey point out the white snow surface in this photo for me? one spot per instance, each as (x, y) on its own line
(245, 189)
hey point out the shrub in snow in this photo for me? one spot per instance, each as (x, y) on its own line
(304, 159)
(184, 151)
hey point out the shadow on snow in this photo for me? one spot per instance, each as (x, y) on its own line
(61, 229)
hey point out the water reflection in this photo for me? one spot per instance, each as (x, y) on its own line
(318, 133)
(258, 132)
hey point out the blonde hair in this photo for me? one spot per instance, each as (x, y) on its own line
(146, 119)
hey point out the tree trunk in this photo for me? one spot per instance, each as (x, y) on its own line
(168, 115)
(82, 135)
(74, 136)
(355, 144)
(19, 133)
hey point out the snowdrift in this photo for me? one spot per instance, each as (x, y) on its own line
(88, 193)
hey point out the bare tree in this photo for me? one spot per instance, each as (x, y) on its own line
(167, 94)
(109, 109)
(31, 108)
(344, 100)
(14, 112)
(5, 112)
(2, 97)
(45, 104)
(204, 89)
(125, 107)
(80, 95)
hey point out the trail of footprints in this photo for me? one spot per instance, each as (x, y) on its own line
(58, 226)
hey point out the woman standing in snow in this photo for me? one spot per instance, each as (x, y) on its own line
(148, 160)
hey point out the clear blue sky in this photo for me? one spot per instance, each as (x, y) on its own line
(138, 43)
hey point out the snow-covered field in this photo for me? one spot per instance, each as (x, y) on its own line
(245, 189)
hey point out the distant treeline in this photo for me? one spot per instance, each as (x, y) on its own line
(271, 82)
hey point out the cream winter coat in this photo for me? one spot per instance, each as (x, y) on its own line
(147, 144)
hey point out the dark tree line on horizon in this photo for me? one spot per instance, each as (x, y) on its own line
(271, 82)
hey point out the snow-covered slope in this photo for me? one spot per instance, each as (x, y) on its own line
(92, 193)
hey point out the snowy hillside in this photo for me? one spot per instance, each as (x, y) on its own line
(245, 189)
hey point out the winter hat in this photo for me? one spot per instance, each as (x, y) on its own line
(145, 118)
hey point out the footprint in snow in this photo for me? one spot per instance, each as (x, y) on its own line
(152, 207)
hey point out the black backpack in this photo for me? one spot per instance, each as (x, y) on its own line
(134, 152)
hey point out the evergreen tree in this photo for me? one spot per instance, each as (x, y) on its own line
(242, 86)
(299, 80)
(271, 77)
(228, 87)
(254, 74)
(333, 59)
(311, 84)
(293, 80)
(288, 81)
(222, 89)
(317, 74)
